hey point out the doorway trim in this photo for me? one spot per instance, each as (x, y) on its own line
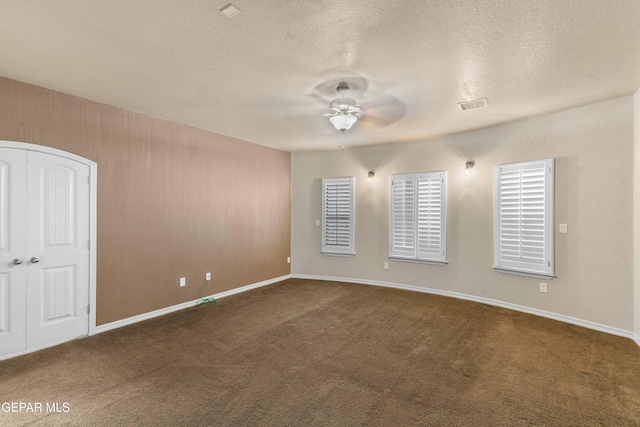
(93, 220)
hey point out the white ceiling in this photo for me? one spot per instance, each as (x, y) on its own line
(266, 75)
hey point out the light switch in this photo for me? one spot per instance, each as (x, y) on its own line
(317, 223)
(183, 281)
(563, 228)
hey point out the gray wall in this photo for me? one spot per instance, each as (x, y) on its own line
(593, 147)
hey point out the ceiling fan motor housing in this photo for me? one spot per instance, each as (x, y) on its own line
(342, 103)
(342, 87)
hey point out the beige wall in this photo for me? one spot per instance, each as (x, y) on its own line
(173, 201)
(593, 148)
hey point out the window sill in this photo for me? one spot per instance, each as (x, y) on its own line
(337, 254)
(418, 261)
(524, 273)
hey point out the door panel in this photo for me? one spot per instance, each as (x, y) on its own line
(13, 245)
(4, 303)
(5, 192)
(58, 237)
(59, 207)
(58, 288)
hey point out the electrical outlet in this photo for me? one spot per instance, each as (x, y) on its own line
(288, 260)
(386, 265)
(208, 276)
(563, 228)
(183, 281)
(543, 288)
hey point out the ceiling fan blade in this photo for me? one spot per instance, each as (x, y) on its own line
(382, 111)
(315, 124)
(286, 107)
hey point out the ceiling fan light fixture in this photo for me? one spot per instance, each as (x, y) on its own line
(343, 122)
(469, 165)
(344, 111)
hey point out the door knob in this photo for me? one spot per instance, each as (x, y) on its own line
(34, 260)
(17, 261)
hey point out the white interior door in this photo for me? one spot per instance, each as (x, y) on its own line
(57, 249)
(47, 227)
(13, 246)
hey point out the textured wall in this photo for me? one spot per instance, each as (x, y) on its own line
(173, 201)
(593, 148)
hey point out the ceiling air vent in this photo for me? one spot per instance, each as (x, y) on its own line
(476, 103)
(230, 11)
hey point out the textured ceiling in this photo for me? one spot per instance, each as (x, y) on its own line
(266, 75)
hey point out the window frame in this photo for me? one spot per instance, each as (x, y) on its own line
(413, 254)
(338, 250)
(545, 270)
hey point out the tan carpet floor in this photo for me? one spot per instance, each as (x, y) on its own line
(314, 353)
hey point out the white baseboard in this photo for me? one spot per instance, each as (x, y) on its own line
(516, 307)
(167, 310)
(34, 349)
(550, 315)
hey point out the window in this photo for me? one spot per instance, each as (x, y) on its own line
(523, 230)
(418, 213)
(337, 216)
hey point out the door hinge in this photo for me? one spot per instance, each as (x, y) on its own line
(88, 308)
(89, 179)
(549, 263)
(88, 244)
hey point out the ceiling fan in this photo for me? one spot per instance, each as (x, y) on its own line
(344, 111)
(373, 109)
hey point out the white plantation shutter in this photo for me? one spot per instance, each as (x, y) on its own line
(524, 222)
(337, 216)
(431, 216)
(403, 216)
(418, 229)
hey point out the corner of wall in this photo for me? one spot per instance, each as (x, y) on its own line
(636, 215)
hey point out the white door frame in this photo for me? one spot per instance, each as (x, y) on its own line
(93, 214)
